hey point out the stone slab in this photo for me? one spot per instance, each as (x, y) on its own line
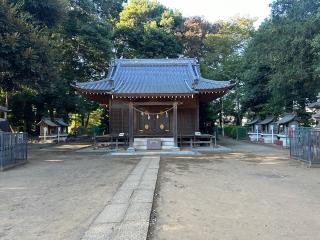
(122, 196)
(113, 213)
(127, 215)
(139, 212)
(100, 232)
(143, 196)
(150, 185)
(156, 153)
(133, 231)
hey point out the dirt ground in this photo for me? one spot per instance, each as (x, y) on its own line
(58, 193)
(254, 192)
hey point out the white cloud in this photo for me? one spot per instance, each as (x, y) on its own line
(214, 10)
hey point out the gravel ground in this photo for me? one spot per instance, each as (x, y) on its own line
(58, 193)
(254, 192)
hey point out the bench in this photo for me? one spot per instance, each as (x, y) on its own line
(197, 140)
(110, 140)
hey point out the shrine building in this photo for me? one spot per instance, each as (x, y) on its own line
(153, 98)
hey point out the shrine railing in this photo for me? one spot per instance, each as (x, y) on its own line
(305, 145)
(13, 149)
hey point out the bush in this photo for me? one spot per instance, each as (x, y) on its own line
(82, 131)
(236, 132)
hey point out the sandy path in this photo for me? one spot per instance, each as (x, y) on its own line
(255, 192)
(57, 194)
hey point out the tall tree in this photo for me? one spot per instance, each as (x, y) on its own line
(282, 57)
(146, 29)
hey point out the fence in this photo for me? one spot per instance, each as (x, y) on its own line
(13, 149)
(236, 132)
(305, 145)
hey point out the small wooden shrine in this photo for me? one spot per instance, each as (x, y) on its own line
(287, 120)
(268, 124)
(153, 98)
(254, 125)
(52, 130)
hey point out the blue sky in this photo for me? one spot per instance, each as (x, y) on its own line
(213, 10)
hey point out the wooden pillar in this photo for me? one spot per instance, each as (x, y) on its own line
(197, 116)
(175, 124)
(131, 125)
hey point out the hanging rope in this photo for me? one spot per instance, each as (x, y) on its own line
(153, 114)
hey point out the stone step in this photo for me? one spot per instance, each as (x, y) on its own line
(162, 147)
(141, 143)
(146, 139)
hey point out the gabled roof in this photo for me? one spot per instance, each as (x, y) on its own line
(156, 76)
(254, 121)
(287, 118)
(60, 122)
(267, 120)
(48, 122)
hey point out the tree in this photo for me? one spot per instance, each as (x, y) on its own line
(192, 34)
(221, 58)
(47, 13)
(146, 29)
(280, 61)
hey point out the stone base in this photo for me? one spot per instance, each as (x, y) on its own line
(131, 149)
(175, 149)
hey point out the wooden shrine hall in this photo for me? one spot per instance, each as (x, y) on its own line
(153, 98)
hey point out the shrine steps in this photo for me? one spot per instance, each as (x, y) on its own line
(141, 143)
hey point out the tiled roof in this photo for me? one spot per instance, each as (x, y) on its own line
(134, 76)
(48, 122)
(287, 118)
(60, 122)
(254, 121)
(267, 120)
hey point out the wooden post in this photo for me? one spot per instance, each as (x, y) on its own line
(197, 129)
(131, 125)
(175, 124)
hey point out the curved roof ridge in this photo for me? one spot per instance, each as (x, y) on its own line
(212, 80)
(156, 61)
(156, 76)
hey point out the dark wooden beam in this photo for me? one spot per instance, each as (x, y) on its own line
(175, 124)
(197, 116)
(131, 119)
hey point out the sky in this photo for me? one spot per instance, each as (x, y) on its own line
(214, 10)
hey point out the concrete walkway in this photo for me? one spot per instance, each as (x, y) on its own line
(127, 215)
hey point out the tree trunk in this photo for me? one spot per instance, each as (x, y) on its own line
(87, 120)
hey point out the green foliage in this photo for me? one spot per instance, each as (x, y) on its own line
(236, 132)
(47, 45)
(281, 60)
(145, 30)
(222, 58)
(48, 13)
